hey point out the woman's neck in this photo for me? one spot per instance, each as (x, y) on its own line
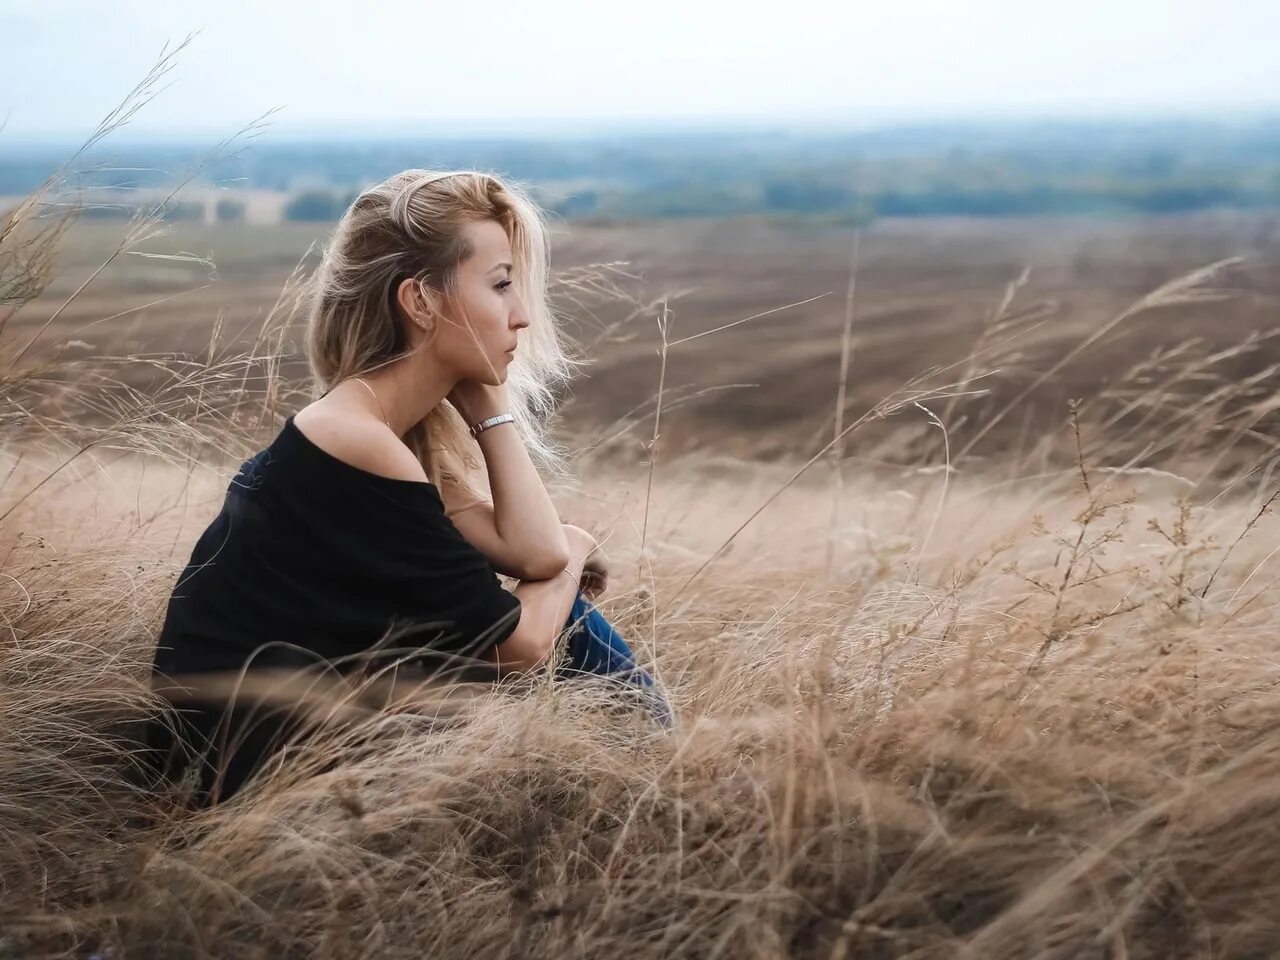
(406, 391)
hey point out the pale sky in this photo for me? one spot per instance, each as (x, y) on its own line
(515, 67)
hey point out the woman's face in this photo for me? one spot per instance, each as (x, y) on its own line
(478, 344)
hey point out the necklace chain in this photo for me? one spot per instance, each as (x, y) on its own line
(376, 400)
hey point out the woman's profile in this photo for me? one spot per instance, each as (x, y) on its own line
(433, 352)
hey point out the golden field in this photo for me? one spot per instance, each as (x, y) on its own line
(1001, 684)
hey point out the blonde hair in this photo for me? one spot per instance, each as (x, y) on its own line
(410, 225)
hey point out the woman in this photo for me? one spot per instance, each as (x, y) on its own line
(357, 527)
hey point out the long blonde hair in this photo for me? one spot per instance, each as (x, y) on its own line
(410, 225)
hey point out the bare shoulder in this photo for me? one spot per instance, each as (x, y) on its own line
(360, 441)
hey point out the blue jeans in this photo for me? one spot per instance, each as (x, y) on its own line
(596, 648)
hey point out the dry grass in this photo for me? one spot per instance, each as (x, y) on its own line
(1038, 740)
(995, 708)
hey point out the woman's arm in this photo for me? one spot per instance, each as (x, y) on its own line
(544, 610)
(476, 521)
(520, 531)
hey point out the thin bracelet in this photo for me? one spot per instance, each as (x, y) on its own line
(570, 572)
(479, 428)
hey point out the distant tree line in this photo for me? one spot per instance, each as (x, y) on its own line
(318, 205)
(798, 197)
(229, 210)
(960, 169)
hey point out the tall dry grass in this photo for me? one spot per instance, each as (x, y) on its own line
(945, 707)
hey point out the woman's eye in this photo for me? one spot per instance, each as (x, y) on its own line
(504, 284)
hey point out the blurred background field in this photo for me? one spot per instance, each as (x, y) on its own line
(925, 290)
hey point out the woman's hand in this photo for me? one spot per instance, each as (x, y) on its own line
(595, 565)
(595, 573)
(475, 400)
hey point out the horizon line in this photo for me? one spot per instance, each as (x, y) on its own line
(565, 127)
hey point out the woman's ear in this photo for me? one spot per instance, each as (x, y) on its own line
(417, 304)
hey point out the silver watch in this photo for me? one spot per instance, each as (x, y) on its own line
(485, 424)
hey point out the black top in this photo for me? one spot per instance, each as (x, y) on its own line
(311, 551)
